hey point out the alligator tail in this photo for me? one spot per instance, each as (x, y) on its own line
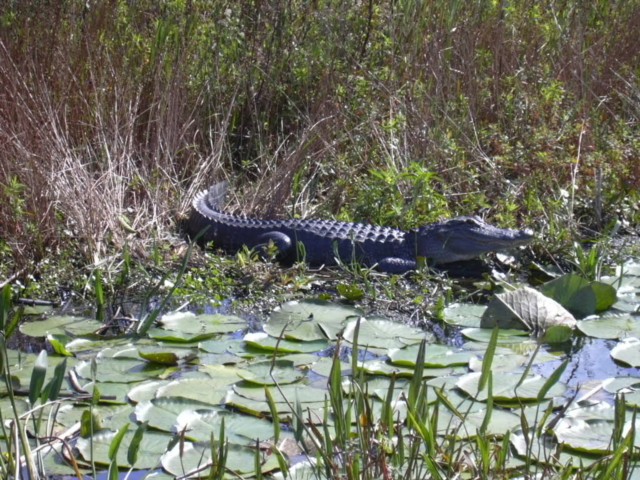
(215, 197)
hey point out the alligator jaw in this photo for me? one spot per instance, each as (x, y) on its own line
(465, 238)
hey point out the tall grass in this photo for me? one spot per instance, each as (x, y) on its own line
(113, 114)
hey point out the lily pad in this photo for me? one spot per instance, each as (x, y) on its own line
(96, 449)
(508, 387)
(435, 356)
(464, 314)
(189, 323)
(382, 334)
(263, 341)
(278, 372)
(310, 320)
(627, 352)
(201, 423)
(611, 326)
(186, 457)
(61, 325)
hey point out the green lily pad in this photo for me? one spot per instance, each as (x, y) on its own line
(310, 320)
(611, 326)
(464, 314)
(383, 334)
(627, 351)
(435, 356)
(120, 370)
(507, 387)
(191, 324)
(279, 372)
(153, 446)
(166, 355)
(201, 423)
(61, 325)
(263, 341)
(206, 390)
(161, 413)
(186, 457)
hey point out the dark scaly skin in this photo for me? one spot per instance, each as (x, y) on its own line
(321, 242)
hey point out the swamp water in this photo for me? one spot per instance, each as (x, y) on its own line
(194, 378)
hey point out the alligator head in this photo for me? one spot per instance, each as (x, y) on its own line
(464, 238)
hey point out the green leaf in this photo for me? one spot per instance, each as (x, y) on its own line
(52, 390)
(353, 293)
(115, 443)
(38, 375)
(58, 343)
(136, 443)
(61, 325)
(627, 351)
(580, 296)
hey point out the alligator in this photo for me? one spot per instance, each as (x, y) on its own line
(330, 242)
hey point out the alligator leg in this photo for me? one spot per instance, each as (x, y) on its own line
(396, 265)
(281, 241)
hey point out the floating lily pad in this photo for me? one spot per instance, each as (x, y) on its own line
(464, 314)
(240, 461)
(435, 356)
(153, 446)
(268, 343)
(310, 320)
(611, 326)
(200, 424)
(383, 334)
(189, 323)
(166, 355)
(206, 390)
(161, 413)
(507, 387)
(120, 370)
(505, 336)
(61, 325)
(279, 372)
(627, 351)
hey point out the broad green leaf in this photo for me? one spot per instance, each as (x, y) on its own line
(58, 342)
(240, 461)
(38, 375)
(263, 341)
(464, 314)
(188, 323)
(152, 447)
(613, 326)
(580, 296)
(627, 351)
(310, 320)
(161, 413)
(278, 372)
(166, 355)
(119, 370)
(506, 389)
(241, 429)
(383, 334)
(505, 336)
(435, 356)
(61, 325)
(208, 390)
